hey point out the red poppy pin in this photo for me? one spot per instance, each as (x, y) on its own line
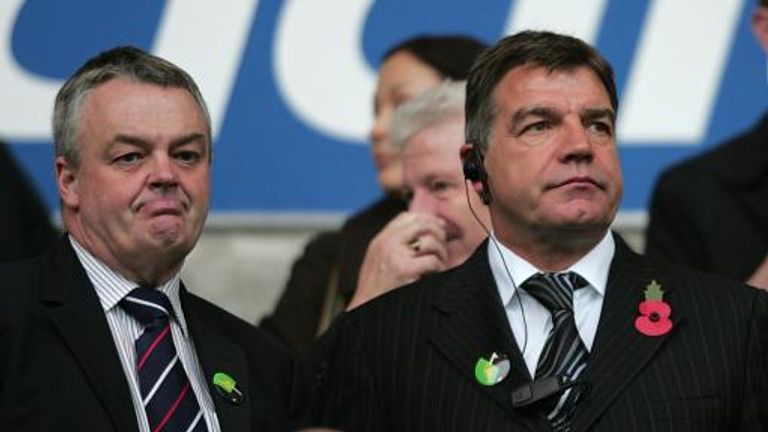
(654, 319)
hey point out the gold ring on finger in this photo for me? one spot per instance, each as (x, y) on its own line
(415, 245)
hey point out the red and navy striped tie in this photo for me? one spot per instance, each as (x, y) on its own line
(168, 398)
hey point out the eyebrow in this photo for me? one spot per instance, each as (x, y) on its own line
(396, 88)
(538, 111)
(548, 113)
(141, 142)
(598, 113)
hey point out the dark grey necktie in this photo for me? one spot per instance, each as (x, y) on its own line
(564, 353)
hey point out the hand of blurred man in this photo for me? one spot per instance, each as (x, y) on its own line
(410, 246)
(759, 278)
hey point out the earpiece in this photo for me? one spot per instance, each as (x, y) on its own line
(474, 171)
(471, 168)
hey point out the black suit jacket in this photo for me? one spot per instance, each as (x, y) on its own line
(405, 362)
(711, 212)
(60, 370)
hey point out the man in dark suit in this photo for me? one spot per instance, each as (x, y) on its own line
(99, 334)
(554, 323)
(711, 212)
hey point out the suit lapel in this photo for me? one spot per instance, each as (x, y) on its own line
(473, 324)
(620, 351)
(77, 314)
(217, 353)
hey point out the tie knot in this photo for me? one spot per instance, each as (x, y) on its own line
(554, 290)
(147, 305)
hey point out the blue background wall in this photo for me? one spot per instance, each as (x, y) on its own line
(268, 159)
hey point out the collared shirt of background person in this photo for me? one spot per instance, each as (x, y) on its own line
(133, 164)
(438, 231)
(711, 212)
(25, 224)
(663, 348)
(323, 280)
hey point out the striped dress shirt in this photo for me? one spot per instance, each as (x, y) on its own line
(111, 287)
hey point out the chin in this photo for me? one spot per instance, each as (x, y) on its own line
(168, 236)
(390, 179)
(580, 213)
(584, 224)
(458, 256)
(171, 249)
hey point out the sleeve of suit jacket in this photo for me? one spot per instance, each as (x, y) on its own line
(755, 414)
(296, 317)
(343, 392)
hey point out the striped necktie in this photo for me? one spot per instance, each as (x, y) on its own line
(564, 352)
(168, 398)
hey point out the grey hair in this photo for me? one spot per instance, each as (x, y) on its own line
(434, 106)
(122, 62)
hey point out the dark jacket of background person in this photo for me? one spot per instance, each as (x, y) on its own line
(324, 278)
(711, 212)
(25, 226)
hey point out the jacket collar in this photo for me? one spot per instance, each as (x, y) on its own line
(67, 294)
(473, 324)
(620, 351)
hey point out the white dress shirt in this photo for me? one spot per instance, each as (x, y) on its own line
(532, 322)
(111, 287)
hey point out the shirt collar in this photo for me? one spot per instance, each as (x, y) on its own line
(111, 286)
(505, 264)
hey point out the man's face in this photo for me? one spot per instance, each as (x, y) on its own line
(139, 197)
(552, 161)
(435, 183)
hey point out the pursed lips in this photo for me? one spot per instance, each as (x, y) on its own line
(162, 206)
(578, 180)
(452, 232)
(381, 159)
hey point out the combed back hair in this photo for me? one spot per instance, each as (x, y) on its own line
(548, 50)
(123, 62)
(440, 104)
(450, 56)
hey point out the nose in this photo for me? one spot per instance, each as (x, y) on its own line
(380, 129)
(576, 145)
(163, 173)
(423, 202)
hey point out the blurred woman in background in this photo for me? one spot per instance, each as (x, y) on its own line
(324, 278)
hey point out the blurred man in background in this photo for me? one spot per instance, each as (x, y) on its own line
(25, 225)
(711, 212)
(438, 231)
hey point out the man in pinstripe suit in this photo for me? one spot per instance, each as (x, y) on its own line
(653, 347)
(99, 334)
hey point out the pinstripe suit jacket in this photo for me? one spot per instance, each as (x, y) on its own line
(405, 362)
